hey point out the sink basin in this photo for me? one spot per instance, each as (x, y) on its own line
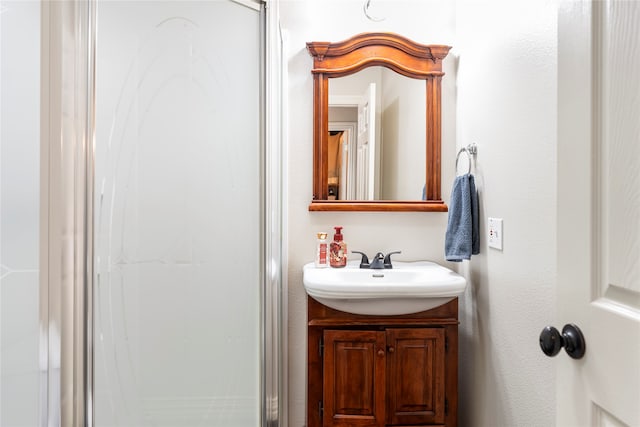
(409, 287)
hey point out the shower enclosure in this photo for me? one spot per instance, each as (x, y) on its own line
(161, 222)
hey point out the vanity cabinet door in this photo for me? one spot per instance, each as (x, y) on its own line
(354, 378)
(415, 376)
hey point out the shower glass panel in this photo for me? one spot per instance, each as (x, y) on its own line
(178, 246)
(19, 211)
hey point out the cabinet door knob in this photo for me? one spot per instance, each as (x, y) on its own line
(391, 349)
(380, 352)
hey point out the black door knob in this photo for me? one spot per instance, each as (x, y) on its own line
(551, 341)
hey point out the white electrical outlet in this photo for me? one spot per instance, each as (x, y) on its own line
(495, 233)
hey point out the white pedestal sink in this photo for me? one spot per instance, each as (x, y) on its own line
(409, 287)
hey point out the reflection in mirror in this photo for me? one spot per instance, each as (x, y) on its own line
(376, 136)
(342, 144)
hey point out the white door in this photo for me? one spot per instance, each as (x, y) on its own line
(366, 164)
(599, 211)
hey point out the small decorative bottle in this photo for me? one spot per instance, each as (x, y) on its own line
(338, 250)
(322, 251)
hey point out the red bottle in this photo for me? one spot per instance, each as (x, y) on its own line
(338, 250)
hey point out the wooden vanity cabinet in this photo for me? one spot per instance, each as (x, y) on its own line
(382, 370)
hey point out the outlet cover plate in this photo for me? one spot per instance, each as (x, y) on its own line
(495, 233)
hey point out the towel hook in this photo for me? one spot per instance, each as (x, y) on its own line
(365, 8)
(470, 150)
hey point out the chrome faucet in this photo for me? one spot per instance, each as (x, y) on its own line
(380, 261)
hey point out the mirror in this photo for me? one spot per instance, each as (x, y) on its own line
(377, 124)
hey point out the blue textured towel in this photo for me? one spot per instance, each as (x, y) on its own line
(463, 228)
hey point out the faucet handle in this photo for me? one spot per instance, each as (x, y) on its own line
(364, 262)
(387, 259)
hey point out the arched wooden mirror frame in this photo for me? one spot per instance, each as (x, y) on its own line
(403, 56)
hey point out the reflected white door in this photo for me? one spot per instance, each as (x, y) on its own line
(599, 211)
(366, 145)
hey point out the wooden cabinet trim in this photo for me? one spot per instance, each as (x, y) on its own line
(319, 314)
(381, 322)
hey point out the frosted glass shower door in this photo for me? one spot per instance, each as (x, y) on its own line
(178, 214)
(19, 212)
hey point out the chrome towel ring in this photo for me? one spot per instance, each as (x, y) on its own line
(470, 150)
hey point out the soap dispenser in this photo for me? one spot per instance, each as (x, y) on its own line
(322, 253)
(338, 250)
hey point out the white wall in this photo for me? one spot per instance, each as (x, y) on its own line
(507, 105)
(418, 235)
(505, 92)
